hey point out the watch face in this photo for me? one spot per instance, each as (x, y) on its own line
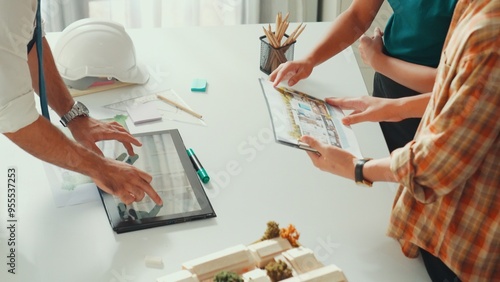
(82, 109)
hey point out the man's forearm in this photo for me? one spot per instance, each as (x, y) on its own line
(379, 170)
(44, 141)
(413, 106)
(58, 96)
(417, 77)
(345, 30)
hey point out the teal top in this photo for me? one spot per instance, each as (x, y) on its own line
(416, 31)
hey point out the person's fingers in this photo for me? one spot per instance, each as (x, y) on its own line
(146, 187)
(295, 78)
(290, 71)
(129, 148)
(363, 39)
(126, 141)
(274, 74)
(319, 159)
(153, 195)
(343, 103)
(126, 138)
(311, 141)
(145, 176)
(115, 131)
(141, 186)
(282, 72)
(354, 118)
(314, 156)
(137, 193)
(122, 135)
(127, 198)
(378, 32)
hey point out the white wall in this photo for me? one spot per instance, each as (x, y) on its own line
(300, 10)
(331, 9)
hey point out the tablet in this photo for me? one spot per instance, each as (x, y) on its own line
(164, 156)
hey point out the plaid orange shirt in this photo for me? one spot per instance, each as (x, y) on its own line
(449, 199)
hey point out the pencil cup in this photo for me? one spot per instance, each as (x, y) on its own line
(271, 57)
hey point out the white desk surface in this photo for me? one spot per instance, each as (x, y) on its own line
(253, 179)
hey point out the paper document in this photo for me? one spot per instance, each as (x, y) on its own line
(167, 111)
(294, 114)
(143, 113)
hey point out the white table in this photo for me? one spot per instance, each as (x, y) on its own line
(253, 179)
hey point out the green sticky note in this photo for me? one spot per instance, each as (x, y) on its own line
(199, 85)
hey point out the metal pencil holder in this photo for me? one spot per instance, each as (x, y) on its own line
(271, 58)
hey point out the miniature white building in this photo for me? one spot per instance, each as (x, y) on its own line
(256, 275)
(248, 261)
(179, 276)
(329, 273)
(236, 259)
(302, 259)
(265, 251)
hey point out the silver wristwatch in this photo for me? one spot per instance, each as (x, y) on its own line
(78, 109)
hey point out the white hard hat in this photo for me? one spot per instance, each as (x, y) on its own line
(92, 48)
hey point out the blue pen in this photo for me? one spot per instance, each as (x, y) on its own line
(202, 173)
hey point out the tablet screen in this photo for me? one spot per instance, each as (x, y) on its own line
(164, 157)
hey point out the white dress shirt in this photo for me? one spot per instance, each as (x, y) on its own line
(17, 102)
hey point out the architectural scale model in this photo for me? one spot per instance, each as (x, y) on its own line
(259, 262)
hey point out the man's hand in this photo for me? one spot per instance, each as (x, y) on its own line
(331, 159)
(371, 48)
(44, 141)
(369, 109)
(87, 131)
(293, 71)
(126, 182)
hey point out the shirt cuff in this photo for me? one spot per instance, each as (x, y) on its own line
(401, 164)
(403, 167)
(18, 113)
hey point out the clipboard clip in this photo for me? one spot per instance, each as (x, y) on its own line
(306, 147)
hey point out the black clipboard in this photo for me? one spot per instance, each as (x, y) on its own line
(164, 156)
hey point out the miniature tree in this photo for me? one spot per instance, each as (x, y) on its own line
(291, 234)
(227, 276)
(278, 270)
(272, 231)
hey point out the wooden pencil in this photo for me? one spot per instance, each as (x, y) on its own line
(180, 107)
(298, 33)
(292, 35)
(271, 38)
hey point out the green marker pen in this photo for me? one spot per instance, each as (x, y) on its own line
(202, 174)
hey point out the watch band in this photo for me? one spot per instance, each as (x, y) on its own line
(78, 109)
(358, 173)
